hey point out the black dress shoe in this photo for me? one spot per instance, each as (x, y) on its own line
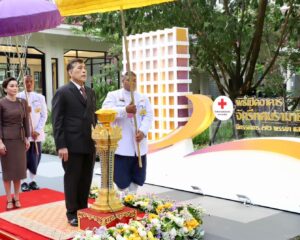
(73, 222)
(25, 187)
(33, 186)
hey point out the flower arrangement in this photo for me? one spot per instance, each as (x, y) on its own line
(162, 220)
(166, 220)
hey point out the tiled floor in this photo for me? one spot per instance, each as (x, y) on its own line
(224, 219)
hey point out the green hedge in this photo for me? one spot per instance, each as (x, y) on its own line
(224, 134)
(49, 145)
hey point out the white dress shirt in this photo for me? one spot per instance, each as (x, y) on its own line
(118, 100)
(39, 113)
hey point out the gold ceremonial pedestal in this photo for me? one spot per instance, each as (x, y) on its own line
(106, 138)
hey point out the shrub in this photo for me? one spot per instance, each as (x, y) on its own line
(201, 139)
(225, 132)
(49, 145)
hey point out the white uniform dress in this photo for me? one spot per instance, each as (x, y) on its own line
(126, 161)
(39, 114)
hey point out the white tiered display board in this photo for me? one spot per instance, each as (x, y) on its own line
(160, 60)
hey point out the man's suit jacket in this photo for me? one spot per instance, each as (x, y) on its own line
(72, 119)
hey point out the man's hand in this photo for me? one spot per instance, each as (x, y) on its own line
(63, 154)
(139, 136)
(131, 108)
(34, 135)
(2, 148)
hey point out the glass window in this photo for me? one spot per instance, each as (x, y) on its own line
(94, 61)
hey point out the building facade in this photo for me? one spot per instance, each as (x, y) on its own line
(47, 54)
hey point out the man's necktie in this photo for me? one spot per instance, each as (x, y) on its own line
(82, 90)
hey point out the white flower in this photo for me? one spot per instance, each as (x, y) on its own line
(166, 236)
(155, 221)
(173, 233)
(89, 233)
(77, 236)
(96, 237)
(136, 224)
(119, 237)
(142, 232)
(191, 233)
(186, 214)
(102, 232)
(179, 221)
(143, 204)
(149, 208)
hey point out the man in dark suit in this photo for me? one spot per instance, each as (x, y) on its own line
(73, 115)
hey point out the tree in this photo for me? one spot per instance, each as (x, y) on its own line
(232, 41)
(105, 82)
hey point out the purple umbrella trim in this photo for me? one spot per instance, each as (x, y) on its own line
(26, 16)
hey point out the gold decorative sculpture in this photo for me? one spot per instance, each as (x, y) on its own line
(106, 138)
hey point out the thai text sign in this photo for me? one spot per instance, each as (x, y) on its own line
(265, 114)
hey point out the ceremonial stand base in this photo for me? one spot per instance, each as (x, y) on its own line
(89, 218)
(106, 196)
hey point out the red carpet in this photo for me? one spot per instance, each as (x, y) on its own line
(28, 199)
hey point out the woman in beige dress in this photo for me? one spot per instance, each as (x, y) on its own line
(14, 133)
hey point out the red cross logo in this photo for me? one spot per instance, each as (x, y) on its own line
(222, 103)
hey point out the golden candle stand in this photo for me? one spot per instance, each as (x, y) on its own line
(106, 138)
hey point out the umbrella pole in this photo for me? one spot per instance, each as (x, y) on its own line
(25, 90)
(130, 81)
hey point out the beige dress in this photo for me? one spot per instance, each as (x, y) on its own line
(14, 127)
